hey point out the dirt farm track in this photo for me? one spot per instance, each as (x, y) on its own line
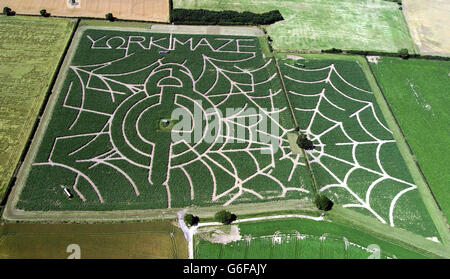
(148, 10)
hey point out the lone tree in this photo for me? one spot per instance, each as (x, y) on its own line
(323, 203)
(304, 143)
(225, 217)
(403, 53)
(109, 16)
(191, 220)
(44, 13)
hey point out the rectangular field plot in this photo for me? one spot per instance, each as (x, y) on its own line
(30, 51)
(151, 120)
(417, 92)
(148, 10)
(356, 24)
(355, 158)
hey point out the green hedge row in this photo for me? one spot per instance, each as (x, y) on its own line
(188, 16)
(401, 54)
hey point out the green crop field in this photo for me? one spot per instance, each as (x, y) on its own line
(300, 239)
(355, 160)
(106, 141)
(355, 24)
(30, 51)
(417, 91)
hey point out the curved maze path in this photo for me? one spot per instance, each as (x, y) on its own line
(105, 141)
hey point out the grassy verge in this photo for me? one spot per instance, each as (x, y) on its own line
(154, 240)
(394, 235)
(105, 23)
(388, 114)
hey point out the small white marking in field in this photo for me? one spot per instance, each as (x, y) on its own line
(373, 59)
(418, 98)
(276, 238)
(435, 239)
(295, 57)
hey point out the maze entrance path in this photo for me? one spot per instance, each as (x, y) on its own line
(228, 142)
(355, 158)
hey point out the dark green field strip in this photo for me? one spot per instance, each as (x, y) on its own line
(356, 161)
(416, 92)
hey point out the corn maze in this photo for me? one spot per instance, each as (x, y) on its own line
(163, 120)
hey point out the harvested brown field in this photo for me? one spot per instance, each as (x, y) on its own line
(429, 25)
(148, 10)
(153, 240)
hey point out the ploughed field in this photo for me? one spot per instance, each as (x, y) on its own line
(150, 120)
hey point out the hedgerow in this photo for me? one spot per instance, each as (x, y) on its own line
(201, 16)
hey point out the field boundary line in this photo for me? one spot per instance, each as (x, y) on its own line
(435, 213)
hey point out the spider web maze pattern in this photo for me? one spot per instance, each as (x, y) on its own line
(334, 106)
(126, 97)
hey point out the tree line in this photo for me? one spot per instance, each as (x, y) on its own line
(201, 16)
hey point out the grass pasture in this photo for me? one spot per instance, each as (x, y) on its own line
(300, 239)
(356, 24)
(30, 51)
(103, 140)
(355, 161)
(156, 240)
(417, 91)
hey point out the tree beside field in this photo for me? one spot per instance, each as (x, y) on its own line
(225, 217)
(191, 220)
(8, 12)
(109, 17)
